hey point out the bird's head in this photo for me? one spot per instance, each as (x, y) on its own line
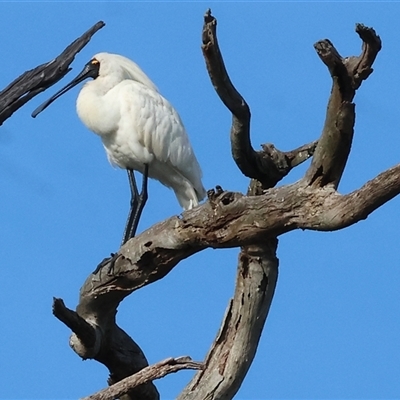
(118, 68)
(91, 70)
(111, 67)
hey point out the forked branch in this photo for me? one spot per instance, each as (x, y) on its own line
(232, 220)
(347, 75)
(268, 166)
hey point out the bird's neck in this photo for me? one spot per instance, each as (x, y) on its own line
(93, 108)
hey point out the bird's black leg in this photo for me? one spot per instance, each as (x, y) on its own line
(138, 202)
(133, 207)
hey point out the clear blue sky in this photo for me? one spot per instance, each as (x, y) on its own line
(334, 326)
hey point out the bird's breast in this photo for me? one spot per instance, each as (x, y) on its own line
(96, 111)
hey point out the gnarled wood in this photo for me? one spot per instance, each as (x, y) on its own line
(334, 145)
(150, 373)
(268, 166)
(229, 219)
(234, 348)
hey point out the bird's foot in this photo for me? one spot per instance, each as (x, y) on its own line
(107, 261)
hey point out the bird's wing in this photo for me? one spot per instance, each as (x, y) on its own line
(159, 129)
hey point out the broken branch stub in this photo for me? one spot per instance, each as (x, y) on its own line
(362, 65)
(36, 80)
(347, 74)
(263, 166)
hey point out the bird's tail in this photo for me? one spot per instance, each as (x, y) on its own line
(189, 192)
(188, 197)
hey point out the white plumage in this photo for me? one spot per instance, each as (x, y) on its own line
(139, 126)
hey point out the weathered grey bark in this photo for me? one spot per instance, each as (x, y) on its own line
(268, 166)
(252, 222)
(347, 74)
(234, 349)
(228, 220)
(35, 81)
(145, 375)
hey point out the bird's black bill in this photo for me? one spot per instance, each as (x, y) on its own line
(91, 70)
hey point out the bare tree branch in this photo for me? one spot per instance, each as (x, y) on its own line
(233, 351)
(361, 66)
(150, 373)
(301, 154)
(86, 339)
(36, 80)
(281, 164)
(347, 74)
(77, 324)
(229, 220)
(235, 346)
(232, 220)
(356, 206)
(258, 165)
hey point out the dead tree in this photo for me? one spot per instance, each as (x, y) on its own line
(252, 222)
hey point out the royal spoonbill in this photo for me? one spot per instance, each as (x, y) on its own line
(139, 128)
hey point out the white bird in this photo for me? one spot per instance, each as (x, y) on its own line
(139, 128)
